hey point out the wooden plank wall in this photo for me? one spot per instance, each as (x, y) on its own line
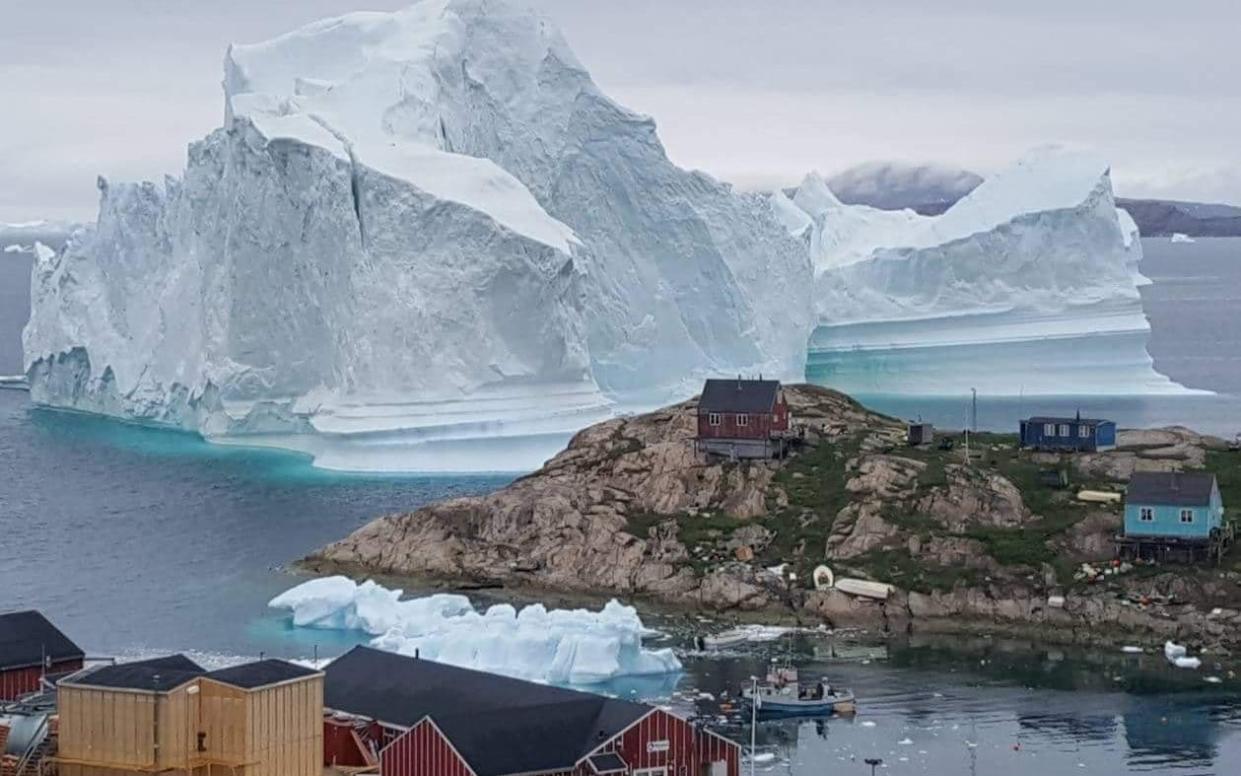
(224, 715)
(278, 729)
(422, 751)
(286, 729)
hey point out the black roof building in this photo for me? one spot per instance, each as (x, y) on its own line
(497, 724)
(740, 396)
(261, 673)
(1180, 489)
(163, 674)
(160, 674)
(1058, 420)
(28, 639)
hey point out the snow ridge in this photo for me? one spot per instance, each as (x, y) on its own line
(405, 211)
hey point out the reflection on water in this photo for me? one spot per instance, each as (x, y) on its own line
(939, 705)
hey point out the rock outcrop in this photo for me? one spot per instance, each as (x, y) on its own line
(630, 508)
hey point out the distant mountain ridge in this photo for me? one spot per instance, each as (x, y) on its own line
(932, 189)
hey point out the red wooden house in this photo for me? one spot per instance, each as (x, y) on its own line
(30, 648)
(743, 418)
(438, 720)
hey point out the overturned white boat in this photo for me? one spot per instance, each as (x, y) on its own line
(742, 634)
(865, 588)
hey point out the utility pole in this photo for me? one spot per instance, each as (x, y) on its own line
(754, 720)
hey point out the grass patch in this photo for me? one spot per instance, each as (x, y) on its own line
(1226, 466)
(900, 568)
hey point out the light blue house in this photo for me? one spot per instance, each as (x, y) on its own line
(1177, 506)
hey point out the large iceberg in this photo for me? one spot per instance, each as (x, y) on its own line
(413, 231)
(424, 235)
(1029, 284)
(559, 646)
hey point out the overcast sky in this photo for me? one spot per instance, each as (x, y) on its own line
(756, 92)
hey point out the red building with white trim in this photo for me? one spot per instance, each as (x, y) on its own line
(31, 647)
(743, 418)
(438, 720)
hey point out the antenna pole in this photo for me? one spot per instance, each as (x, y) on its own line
(753, 719)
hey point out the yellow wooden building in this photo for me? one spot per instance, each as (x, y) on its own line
(169, 716)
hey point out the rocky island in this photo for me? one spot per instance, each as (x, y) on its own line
(978, 544)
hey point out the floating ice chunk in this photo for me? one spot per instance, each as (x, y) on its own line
(13, 248)
(1186, 662)
(1172, 650)
(558, 646)
(1131, 650)
(867, 723)
(1213, 679)
(905, 742)
(1179, 237)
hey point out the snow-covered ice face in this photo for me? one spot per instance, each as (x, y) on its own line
(558, 646)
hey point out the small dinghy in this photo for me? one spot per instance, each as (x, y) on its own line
(783, 694)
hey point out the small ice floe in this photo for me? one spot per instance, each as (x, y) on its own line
(905, 742)
(706, 696)
(764, 757)
(1181, 237)
(1130, 650)
(1176, 655)
(1213, 679)
(867, 723)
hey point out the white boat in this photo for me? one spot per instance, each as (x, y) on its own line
(865, 588)
(782, 693)
(742, 634)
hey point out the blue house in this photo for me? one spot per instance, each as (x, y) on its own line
(1077, 433)
(1179, 505)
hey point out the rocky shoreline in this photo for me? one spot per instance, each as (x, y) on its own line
(629, 509)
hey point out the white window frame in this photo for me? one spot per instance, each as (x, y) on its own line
(743, 420)
(1187, 516)
(1146, 514)
(713, 418)
(1049, 429)
(1064, 430)
(1083, 431)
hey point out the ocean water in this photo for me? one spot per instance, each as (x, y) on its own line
(139, 541)
(1194, 308)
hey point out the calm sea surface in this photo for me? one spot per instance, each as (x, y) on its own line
(139, 541)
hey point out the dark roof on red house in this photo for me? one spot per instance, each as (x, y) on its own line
(28, 639)
(1180, 489)
(737, 395)
(497, 724)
